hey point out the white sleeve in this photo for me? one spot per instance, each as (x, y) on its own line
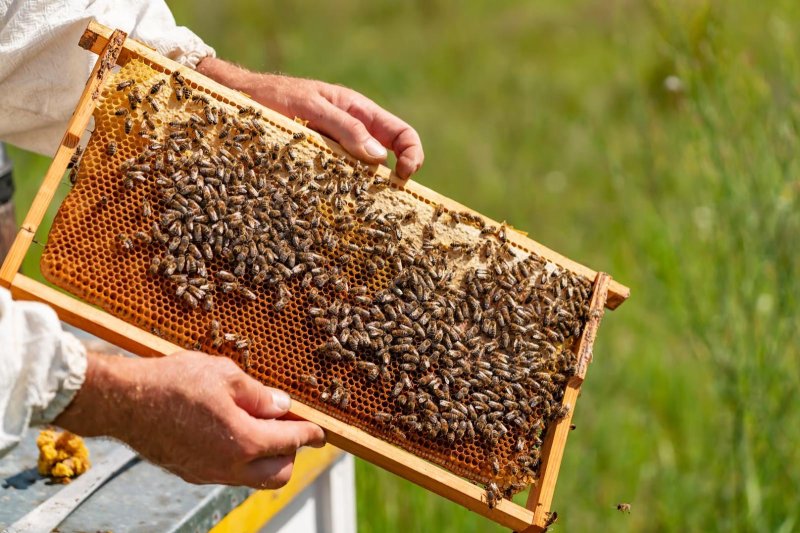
(43, 70)
(41, 368)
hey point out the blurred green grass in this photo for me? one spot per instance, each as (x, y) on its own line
(656, 141)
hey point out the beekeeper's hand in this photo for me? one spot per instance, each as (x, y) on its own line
(364, 128)
(196, 415)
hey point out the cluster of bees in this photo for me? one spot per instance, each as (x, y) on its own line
(482, 357)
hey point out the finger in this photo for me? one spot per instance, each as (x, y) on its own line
(268, 473)
(391, 131)
(348, 131)
(260, 401)
(283, 437)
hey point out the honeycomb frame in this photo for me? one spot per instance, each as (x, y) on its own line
(198, 340)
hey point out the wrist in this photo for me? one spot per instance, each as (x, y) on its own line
(106, 402)
(262, 87)
(228, 74)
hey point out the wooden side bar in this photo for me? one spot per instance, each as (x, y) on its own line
(97, 34)
(541, 496)
(75, 128)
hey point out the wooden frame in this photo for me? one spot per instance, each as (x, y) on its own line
(114, 48)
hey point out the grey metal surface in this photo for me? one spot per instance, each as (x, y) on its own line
(141, 498)
(57, 507)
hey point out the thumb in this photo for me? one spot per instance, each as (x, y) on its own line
(350, 132)
(260, 401)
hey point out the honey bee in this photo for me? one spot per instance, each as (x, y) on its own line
(427, 232)
(134, 99)
(157, 86)
(153, 103)
(76, 157)
(298, 136)
(190, 300)
(309, 379)
(128, 125)
(147, 121)
(493, 495)
(143, 237)
(495, 465)
(125, 241)
(121, 112)
(383, 418)
(124, 84)
(111, 148)
(624, 508)
(179, 79)
(215, 333)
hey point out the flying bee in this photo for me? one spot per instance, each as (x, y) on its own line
(624, 508)
(111, 148)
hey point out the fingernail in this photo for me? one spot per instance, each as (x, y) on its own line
(281, 400)
(374, 148)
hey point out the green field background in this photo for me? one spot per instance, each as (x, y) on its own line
(656, 141)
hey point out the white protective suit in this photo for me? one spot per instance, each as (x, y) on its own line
(42, 74)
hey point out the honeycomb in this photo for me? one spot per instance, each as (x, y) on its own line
(104, 247)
